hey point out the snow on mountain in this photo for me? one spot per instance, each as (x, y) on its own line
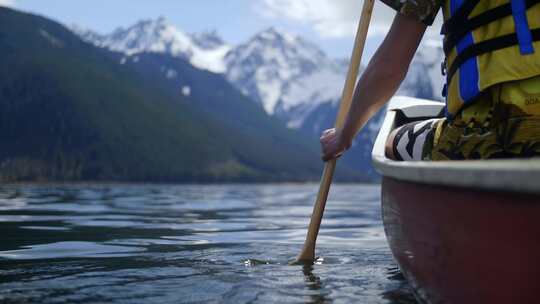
(297, 82)
(207, 40)
(424, 79)
(286, 74)
(205, 51)
(289, 76)
(86, 34)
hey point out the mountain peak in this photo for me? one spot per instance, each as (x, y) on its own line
(208, 39)
(205, 51)
(162, 19)
(269, 65)
(159, 21)
(143, 22)
(158, 27)
(155, 35)
(273, 34)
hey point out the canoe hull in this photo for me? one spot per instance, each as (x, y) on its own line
(457, 245)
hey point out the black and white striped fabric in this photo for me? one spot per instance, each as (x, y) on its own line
(410, 139)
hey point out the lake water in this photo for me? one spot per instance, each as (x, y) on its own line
(192, 244)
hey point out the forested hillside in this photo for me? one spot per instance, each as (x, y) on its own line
(72, 111)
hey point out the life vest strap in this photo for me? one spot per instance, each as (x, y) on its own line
(459, 30)
(460, 16)
(519, 12)
(487, 46)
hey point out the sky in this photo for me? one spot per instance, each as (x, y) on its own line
(329, 23)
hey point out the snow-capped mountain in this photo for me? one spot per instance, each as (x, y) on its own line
(424, 79)
(292, 78)
(86, 34)
(289, 76)
(208, 40)
(205, 51)
(286, 74)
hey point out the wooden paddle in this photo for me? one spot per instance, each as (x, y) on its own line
(308, 252)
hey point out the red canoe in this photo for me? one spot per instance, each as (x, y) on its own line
(461, 231)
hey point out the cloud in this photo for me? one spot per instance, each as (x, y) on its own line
(7, 2)
(330, 18)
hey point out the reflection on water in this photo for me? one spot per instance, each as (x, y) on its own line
(192, 244)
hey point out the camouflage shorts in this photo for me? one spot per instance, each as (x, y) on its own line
(503, 123)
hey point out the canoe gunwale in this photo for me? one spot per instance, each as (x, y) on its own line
(515, 175)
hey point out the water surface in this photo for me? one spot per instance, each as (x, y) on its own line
(192, 244)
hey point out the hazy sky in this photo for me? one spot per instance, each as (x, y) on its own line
(329, 23)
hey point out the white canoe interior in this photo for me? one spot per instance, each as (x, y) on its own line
(518, 175)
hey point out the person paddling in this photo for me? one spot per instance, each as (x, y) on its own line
(492, 90)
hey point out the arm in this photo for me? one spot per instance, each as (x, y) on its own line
(378, 83)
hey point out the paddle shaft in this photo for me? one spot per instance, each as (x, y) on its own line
(308, 252)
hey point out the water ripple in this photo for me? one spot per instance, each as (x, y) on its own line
(192, 244)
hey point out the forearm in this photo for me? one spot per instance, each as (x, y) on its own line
(384, 74)
(376, 86)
